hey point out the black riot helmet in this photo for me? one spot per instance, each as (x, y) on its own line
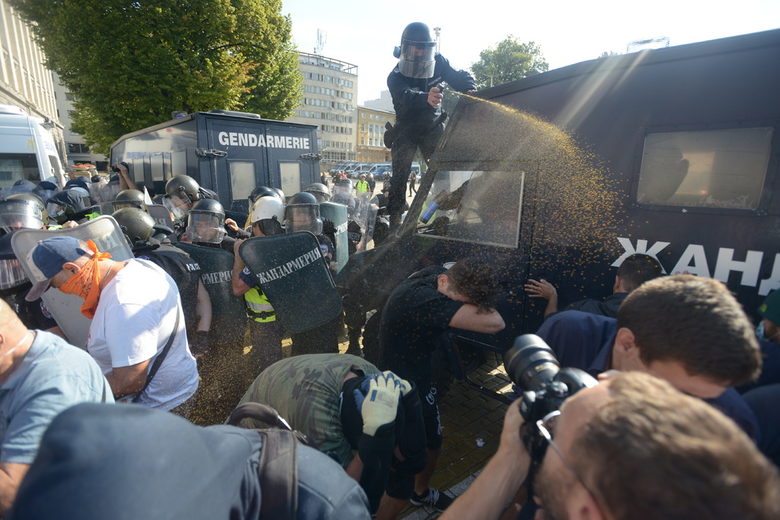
(136, 224)
(129, 199)
(303, 214)
(262, 191)
(206, 222)
(181, 192)
(280, 193)
(416, 54)
(319, 190)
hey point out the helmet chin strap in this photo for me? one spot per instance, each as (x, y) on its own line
(18, 344)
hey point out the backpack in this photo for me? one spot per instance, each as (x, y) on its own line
(277, 470)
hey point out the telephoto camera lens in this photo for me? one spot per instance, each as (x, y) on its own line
(531, 363)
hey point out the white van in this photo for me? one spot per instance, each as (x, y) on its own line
(27, 149)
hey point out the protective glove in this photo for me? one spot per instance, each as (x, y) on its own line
(403, 383)
(380, 404)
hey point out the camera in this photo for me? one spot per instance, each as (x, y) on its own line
(533, 367)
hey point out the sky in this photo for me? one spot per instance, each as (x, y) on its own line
(364, 32)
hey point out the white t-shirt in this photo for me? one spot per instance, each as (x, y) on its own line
(133, 321)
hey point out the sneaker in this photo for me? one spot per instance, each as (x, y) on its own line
(432, 498)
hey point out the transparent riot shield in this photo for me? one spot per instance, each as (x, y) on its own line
(294, 276)
(372, 209)
(337, 214)
(65, 308)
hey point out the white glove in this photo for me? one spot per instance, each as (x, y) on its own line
(380, 404)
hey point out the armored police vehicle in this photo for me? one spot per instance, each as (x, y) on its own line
(673, 152)
(228, 152)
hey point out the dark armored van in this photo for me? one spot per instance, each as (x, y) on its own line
(672, 152)
(228, 152)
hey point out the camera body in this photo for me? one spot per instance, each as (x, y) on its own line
(533, 367)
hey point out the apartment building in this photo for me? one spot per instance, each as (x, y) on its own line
(370, 134)
(329, 99)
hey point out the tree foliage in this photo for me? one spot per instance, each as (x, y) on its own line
(511, 59)
(130, 64)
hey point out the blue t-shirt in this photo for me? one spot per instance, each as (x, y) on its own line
(51, 377)
(583, 340)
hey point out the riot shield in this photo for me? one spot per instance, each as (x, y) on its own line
(228, 313)
(160, 214)
(371, 212)
(337, 213)
(295, 278)
(65, 308)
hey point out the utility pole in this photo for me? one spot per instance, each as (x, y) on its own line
(437, 32)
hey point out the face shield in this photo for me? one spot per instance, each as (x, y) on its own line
(206, 227)
(110, 191)
(11, 274)
(342, 190)
(303, 217)
(20, 215)
(416, 59)
(178, 205)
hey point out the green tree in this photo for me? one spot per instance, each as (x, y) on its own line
(511, 59)
(130, 64)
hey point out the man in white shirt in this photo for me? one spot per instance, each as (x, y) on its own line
(136, 313)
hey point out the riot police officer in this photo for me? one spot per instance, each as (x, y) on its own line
(303, 214)
(18, 212)
(138, 227)
(266, 217)
(181, 192)
(319, 190)
(414, 85)
(206, 225)
(130, 199)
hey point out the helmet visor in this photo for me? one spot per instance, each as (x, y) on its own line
(178, 205)
(129, 204)
(20, 216)
(416, 59)
(303, 217)
(205, 227)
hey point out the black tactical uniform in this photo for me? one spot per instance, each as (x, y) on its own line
(418, 124)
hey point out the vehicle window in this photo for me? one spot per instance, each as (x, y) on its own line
(474, 206)
(156, 164)
(242, 178)
(710, 168)
(178, 163)
(290, 173)
(18, 166)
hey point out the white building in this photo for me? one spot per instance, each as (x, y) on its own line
(24, 80)
(329, 101)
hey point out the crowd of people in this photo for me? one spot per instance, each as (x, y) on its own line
(182, 404)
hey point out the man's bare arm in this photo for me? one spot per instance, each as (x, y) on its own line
(11, 475)
(469, 317)
(128, 380)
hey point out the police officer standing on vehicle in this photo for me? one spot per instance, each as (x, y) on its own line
(415, 85)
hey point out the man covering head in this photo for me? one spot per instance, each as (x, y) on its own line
(632, 448)
(135, 311)
(324, 396)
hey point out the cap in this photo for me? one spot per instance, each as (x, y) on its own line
(48, 257)
(770, 309)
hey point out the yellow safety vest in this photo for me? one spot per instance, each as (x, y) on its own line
(258, 307)
(362, 186)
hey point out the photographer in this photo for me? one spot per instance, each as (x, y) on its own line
(631, 447)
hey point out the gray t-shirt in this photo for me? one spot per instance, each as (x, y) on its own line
(52, 376)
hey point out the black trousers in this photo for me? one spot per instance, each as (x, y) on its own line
(404, 147)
